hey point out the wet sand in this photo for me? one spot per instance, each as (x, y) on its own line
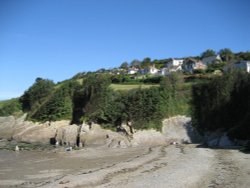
(163, 166)
(25, 168)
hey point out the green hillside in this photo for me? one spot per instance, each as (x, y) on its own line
(94, 97)
(215, 101)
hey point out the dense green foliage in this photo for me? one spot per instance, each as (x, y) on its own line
(58, 105)
(215, 66)
(10, 107)
(35, 95)
(218, 102)
(223, 104)
(208, 53)
(145, 108)
(226, 55)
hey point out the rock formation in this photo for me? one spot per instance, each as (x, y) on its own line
(177, 129)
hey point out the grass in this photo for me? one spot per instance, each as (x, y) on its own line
(132, 86)
(8, 101)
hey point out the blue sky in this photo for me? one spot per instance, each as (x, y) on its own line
(56, 39)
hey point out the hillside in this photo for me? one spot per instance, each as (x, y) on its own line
(95, 97)
(143, 99)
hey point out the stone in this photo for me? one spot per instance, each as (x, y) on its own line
(67, 135)
(148, 137)
(179, 129)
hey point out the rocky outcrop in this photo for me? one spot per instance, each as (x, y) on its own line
(67, 135)
(7, 127)
(96, 136)
(26, 131)
(218, 139)
(60, 132)
(179, 129)
(148, 137)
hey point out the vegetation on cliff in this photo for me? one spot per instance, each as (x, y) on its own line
(111, 98)
(93, 99)
(223, 104)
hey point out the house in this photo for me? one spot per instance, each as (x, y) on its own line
(153, 70)
(133, 70)
(190, 64)
(174, 62)
(173, 65)
(149, 70)
(243, 65)
(163, 72)
(211, 59)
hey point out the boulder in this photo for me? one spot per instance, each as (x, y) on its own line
(37, 133)
(67, 135)
(116, 140)
(225, 141)
(7, 127)
(179, 129)
(218, 139)
(148, 138)
(30, 132)
(97, 136)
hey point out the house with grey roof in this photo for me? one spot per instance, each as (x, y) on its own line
(243, 65)
(190, 65)
(211, 59)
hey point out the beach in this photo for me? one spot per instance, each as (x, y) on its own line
(161, 166)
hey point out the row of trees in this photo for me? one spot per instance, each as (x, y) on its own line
(97, 102)
(93, 100)
(145, 63)
(221, 103)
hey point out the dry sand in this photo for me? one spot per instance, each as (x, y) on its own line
(163, 166)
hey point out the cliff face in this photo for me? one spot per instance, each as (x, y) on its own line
(177, 129)
(59, 132)
(25, 131)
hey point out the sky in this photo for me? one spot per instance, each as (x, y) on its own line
(57, 39)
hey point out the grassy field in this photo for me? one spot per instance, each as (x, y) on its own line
(129, 87)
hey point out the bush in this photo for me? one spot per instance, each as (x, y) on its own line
(10, 107)
(223, 104)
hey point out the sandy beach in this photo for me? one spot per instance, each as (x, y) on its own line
(162, 166)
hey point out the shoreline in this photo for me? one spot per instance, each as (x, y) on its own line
(160, 166)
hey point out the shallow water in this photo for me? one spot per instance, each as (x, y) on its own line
(11, 145)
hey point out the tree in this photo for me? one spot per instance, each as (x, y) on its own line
(146, 62)
(89, 98)
(243, 56)
(136, 63)
(124, 65)
(169, 83)
(59, 104)
(208, 53)
(10, 107)
(223, 104)
(226, 54)
(33, 97)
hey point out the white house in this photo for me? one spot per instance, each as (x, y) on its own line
(133, 70)
(243, 65)
(191, 64)
(163, 72)
(174, 62)
(173, 65)
(153, 70)
(211, 59)
(150, 70)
